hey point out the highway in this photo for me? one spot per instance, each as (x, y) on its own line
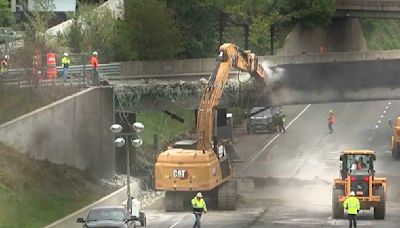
(293, 172)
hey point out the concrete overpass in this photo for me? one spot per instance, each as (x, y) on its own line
(300, 79)
(368, 8)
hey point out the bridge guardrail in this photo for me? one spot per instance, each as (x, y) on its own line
(80, 72)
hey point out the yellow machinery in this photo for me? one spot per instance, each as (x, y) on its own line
(205, 164)
(358, 175)
(396, 140)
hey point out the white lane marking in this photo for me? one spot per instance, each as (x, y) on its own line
(177, 222)
(386, 107)
(273, 139)
(381, 116)
(389, 103)
(376, 126)
(379, 121)
(384, 111)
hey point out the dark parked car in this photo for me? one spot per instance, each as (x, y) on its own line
(263, 119)
(108, 216)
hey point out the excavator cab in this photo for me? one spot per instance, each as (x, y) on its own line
(357, 174)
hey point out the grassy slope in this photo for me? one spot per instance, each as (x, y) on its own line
(36, 193)
(15, 102)
(381, 34)
(162, 124)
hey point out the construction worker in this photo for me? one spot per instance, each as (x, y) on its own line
(95, 68)
(36, 66)
(360, 164)
(352, 205)
(65, 61)
(4, 66)
(199, 207)
(331, 121)
(281, 122)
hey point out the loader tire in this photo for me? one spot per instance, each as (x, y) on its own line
(337, 207)
(379, 211)
(227, 195)
(397, 152)
(173, 201)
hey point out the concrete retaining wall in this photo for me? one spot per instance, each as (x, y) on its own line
(72, 131)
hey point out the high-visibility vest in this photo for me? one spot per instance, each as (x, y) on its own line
(51, 66)
(352, 205)
(65, 61)
(199, 205)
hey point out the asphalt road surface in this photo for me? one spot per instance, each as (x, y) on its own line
(293, 172)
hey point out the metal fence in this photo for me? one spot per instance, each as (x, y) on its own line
(80, 75)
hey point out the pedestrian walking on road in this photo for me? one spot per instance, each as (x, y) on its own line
(65, 61)
(199, 207)
(281, 122)
(352, 205)
(331, 121)
(95, 68)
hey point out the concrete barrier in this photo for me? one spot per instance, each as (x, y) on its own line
(72, 131)
(169, 68)
(115, 198)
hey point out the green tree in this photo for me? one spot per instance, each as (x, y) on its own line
(307, 12)
(5, 13)
(152, 30)
(197, 20)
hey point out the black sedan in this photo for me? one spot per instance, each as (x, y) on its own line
(108, 217)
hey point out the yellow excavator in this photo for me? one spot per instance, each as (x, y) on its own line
(206, 163)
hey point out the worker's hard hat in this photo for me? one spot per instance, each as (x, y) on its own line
(199, 195)
(65, 54)
(330, 111)
(95, 53)
(6, 56)
(352, 193)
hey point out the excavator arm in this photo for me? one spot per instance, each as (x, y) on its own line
(230, 56)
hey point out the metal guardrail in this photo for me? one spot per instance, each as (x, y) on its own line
(78, 73)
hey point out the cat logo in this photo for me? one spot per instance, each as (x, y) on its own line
(180, 173)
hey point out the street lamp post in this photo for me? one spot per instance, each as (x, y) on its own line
(120, 142)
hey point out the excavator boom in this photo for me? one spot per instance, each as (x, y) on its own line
(230, 56)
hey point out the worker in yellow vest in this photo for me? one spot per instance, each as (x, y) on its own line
(352, 205)
(65, 61)
(199, 207)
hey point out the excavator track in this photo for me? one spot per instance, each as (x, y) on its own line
(227, 195)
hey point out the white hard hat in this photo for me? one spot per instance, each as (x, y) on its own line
(352, 193)
(65, 54)
(199, 195)
(6, 56)
(330, 111)
(95, 53)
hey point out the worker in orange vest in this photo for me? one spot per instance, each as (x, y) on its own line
(95, 68)
(4, 66)
(331, 121)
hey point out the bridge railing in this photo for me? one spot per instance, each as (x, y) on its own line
(202, 67)
(196, 67)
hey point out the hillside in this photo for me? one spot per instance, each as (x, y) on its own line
(381, 34)
(35, 193)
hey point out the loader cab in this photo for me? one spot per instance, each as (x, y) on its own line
(357, 162)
